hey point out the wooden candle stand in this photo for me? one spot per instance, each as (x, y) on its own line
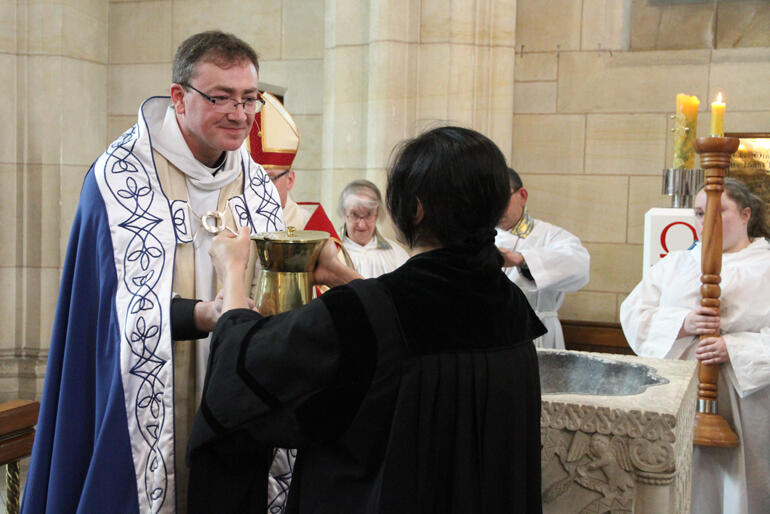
(711, 429)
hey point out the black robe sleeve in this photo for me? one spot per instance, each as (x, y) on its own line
(283, 376)
(183, 320)
(283, 381)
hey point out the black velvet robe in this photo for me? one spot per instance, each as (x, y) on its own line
(416, 392)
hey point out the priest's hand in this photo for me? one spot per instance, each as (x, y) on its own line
(511, 258)
(330, 271)
(230, 256)
(206, 314)
(701, 321)
(712, 350)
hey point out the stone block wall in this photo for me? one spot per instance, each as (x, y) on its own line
(592, 128)
(53, 65)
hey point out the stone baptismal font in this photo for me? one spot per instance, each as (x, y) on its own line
(617, 432)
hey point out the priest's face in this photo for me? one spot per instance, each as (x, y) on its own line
(207, 132)
(283, 180)
(735, 222)
(515, 209)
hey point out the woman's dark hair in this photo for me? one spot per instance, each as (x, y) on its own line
(743, 197)
(461, 180)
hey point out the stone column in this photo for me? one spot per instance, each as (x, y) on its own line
(53, 64)
(396, 67)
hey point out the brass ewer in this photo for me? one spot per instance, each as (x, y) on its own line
(287, 259)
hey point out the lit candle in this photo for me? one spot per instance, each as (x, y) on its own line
(718, 117)
(685, 123)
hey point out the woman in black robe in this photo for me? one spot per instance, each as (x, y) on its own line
(415, 392)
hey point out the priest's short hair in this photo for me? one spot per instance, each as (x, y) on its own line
(210, 46)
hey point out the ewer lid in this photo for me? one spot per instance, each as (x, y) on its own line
(291, 235)
(289, 250)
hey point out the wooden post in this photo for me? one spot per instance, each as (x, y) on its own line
(711, 429)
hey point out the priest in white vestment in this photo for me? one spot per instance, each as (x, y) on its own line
(138, 295)
(544, 260)
(662, 318)
(372, 254)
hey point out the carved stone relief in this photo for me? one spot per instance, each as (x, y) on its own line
(593, 457)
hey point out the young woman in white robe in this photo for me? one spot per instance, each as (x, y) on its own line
(372, 253)
(662, 318)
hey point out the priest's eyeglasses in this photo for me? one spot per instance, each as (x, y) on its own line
(281, 174)
(227, 105)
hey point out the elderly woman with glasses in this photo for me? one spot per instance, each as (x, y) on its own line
(372, 254)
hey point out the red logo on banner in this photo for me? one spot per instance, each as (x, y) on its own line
(665, 231)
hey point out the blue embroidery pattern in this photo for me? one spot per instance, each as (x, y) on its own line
(181, 220)
(281, 471)
(145, 228)
(143, 261)
(266, 208)
(240, 212)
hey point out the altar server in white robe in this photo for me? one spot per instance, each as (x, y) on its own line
(662, 318)
(372, 253)
(544, 260)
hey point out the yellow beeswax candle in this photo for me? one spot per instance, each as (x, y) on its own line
(718, 117)
(686, 120)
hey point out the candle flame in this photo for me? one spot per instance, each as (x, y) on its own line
(719, 97)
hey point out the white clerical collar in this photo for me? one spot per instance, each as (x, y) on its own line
(168, 140)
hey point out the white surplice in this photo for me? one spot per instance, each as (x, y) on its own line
(558, 263)
(377, 257)
(734, 480)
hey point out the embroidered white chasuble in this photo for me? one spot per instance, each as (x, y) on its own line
(171, 190)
